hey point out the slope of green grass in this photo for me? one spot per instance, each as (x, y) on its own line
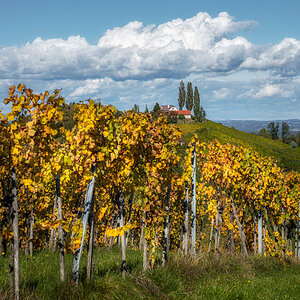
(207, 277)
(287, 157)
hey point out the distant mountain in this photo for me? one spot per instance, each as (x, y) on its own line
(253, 126)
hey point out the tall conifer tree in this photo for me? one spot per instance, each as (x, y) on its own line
(181, 95)
(189, 96)
(197, 105)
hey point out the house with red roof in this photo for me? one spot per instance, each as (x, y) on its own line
(185, 113)
(173, 111)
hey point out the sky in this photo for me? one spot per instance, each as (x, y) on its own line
(244, 56)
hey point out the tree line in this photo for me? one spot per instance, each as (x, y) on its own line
(273, 132)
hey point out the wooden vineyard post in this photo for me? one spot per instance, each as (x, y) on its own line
(264, 237)
(142, 233)
(166, 227)
(52, 239)
(218, 225)
(211, 235)
(232, 246)
(120, 202)
(15, 229)
(260, 232)
(193, 208)
(91, 220)
(185, 238)
(61, 242)
(84, 221)
(145, 253)
(91, 240)
(31, 223)
(143, 243)
(255, 235)
(113, 221)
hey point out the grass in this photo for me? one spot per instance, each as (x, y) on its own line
(287, 157)
(229, 277)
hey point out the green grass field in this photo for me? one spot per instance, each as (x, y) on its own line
(229, 277)
(286, 156)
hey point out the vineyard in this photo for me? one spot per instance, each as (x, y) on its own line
(134, 182)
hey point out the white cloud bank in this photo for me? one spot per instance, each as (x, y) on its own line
(171, 50)
(136, 56)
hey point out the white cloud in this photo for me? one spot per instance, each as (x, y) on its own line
(200, 32)
(222, 93)
(283, 58)
(172, 49)
(144, 64)
(268, 91)
(91, 87)
(284, 89)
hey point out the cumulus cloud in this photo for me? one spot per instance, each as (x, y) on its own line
(144, 64)
(173, 49)
(200, 32)
(284, 58)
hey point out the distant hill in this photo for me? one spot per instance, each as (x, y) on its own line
(253, 126)
(286, 156)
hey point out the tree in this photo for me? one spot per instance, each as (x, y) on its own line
(156, 108)
(181, 95)
(155, 111)
(202, 113)
(285, 131)
(273, 130)
(197, 105)
(264, 133)
(136, 108)
(189, 96)
(199, 111)
(146, 109)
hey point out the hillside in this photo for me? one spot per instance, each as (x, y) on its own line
(286, 156)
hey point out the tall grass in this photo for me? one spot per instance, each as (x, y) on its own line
(228, 277)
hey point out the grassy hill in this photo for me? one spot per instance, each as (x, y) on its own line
(286, 156)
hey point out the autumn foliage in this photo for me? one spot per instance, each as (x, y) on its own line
(142, 157)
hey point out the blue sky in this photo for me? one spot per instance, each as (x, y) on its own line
(244, 56)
